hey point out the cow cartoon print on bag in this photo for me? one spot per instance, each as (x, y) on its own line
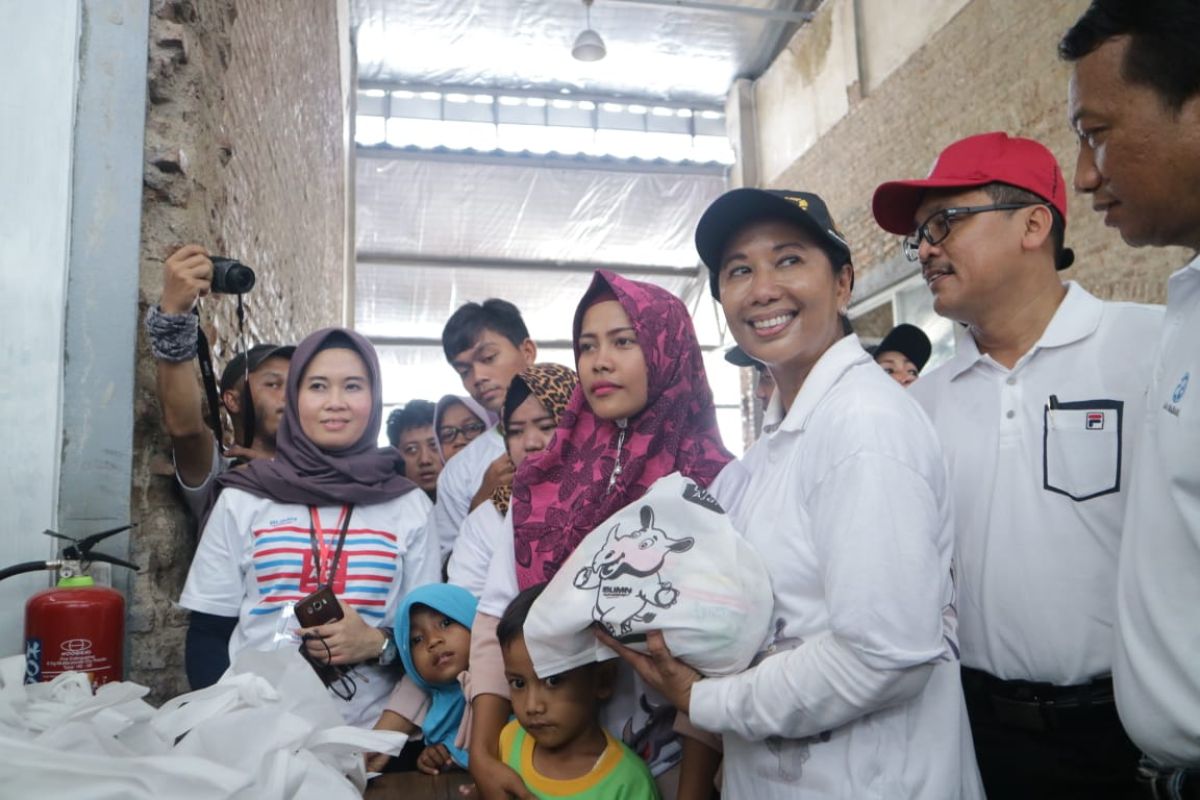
(625, 573)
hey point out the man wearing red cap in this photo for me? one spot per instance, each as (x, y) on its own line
(1037, 413)
(1134, 102)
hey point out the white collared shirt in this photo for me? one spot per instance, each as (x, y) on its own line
(1039, 492)
(1157, 664)
(457, 485)
(858, 696)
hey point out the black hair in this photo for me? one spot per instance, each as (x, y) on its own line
(414, 414)
(1162, 53)
(468, 323)
(838, 257)
(512, 622)
(1007, 193)
(518, 392)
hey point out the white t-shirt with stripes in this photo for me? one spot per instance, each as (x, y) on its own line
(255, 560)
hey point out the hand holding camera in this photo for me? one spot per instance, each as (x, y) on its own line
(190, 273)
(187, 275)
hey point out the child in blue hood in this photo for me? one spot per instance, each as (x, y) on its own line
(433, 635)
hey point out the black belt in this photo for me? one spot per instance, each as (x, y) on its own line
(1034, 706)
(1165, 783)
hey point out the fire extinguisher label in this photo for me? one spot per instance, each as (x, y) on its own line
(33, 660)
(74, 655)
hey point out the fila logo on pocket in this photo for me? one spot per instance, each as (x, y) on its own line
(1094, 421)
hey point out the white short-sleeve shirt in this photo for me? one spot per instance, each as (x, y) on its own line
(858, 692)
(1039, 459)
(1157, 666)
(475, 547)
(457, 484)
(255, 561)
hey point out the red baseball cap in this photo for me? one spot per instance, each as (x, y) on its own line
(975, 161)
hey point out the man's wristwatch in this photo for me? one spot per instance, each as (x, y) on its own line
(388, 653)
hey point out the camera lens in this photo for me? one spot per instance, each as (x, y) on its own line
(231, 277)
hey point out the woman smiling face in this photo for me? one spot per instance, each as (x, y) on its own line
(782, 296)
(334, 404)
(612, 366)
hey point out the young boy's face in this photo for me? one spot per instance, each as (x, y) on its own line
(488, 366)
(440, 646)
(560, 710)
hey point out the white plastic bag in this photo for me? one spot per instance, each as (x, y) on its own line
(670, 561)
(268, 730)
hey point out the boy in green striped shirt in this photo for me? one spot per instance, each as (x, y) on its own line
(557, 744)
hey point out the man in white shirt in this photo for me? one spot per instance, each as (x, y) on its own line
(1134, 102)
(486, 344)
(1037, 413)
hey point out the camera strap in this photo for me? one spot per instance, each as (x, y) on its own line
(248, 418)
(320, 547)
(208, 376)
(204, 356)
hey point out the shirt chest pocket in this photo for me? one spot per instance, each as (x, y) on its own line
(1081, 448)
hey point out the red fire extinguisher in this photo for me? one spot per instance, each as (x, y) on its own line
(76, 626)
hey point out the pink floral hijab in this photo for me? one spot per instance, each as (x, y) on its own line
(561, 495)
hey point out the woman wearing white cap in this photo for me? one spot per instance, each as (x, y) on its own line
(857, 693)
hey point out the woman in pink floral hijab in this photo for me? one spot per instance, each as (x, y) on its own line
(597, 465)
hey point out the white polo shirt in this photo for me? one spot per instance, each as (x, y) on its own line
(458, 483)
(1157, 664)
(1039, 492)
(858, 695)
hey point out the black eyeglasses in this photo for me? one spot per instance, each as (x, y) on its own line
(936, 226)
(449, 433)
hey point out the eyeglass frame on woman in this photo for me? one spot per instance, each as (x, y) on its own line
(912, 243)
(449, 434)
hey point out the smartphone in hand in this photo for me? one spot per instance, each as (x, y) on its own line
(319, 608)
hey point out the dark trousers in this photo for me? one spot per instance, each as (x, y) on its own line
(1036, 740)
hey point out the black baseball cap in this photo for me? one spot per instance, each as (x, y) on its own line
(910, 342)
(733, 210)
(737, 356)
(236, 367)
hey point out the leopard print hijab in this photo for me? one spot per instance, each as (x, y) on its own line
(552, 385)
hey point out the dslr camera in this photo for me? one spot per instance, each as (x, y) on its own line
(230, 276)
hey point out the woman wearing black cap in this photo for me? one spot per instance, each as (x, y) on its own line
(858, 693)
(903, 353)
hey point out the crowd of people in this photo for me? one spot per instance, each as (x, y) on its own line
(982, 585)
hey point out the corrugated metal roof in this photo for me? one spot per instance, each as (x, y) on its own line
(654, 52)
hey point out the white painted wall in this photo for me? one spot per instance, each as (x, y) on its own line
(892, 30)
(807, 89)
(38, 57)
(804, 91)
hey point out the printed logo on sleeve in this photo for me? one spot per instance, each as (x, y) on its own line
(1095, 420)
(694, 494)
(1172, 406)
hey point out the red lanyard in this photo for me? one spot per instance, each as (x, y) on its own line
(321, 547)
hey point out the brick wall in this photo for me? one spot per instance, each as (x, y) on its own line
(245, 153)
(993, 66)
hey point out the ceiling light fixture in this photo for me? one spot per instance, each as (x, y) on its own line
(588, 44)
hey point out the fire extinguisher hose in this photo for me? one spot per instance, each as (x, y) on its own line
(28, 566)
